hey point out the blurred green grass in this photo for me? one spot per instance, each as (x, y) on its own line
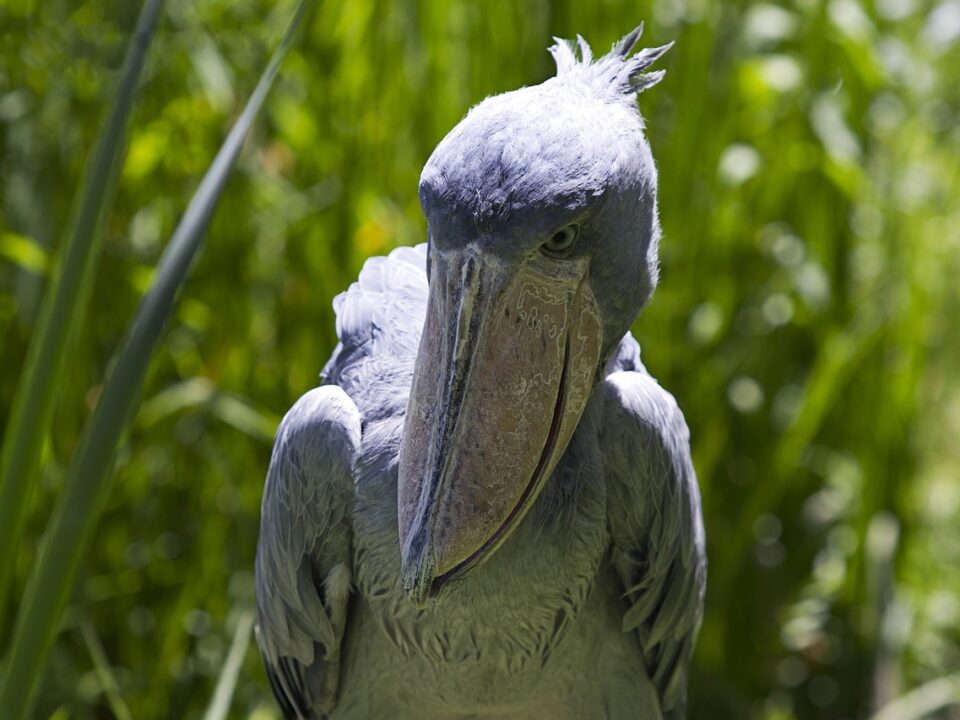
(809, 158)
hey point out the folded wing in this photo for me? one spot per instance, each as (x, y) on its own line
(303, 572)
(656, 527)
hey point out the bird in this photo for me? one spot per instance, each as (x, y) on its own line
(487, 508)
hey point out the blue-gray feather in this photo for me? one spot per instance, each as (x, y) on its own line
(616, 73)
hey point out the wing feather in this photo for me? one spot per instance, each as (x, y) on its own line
(379, 316)
(655, 523)
(303, 555)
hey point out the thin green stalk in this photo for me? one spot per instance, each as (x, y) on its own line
(923, 701)
(220, 705)
(101, 664)
(63, 308)
(85, 490)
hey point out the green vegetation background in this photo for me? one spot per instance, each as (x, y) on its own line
(809, 157)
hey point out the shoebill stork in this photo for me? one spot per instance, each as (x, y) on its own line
(488, 508)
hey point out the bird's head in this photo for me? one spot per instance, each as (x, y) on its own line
(543, 232)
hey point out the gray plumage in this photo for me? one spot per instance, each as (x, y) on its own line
(590, 606)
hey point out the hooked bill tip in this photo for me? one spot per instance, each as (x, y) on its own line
(416, 573)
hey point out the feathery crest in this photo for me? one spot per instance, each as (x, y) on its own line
(616, 72)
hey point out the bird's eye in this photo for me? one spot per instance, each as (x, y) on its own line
(561, 241)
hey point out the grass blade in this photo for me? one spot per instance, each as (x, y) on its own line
(923, 701)
(227, 683)
(63, 307)
(86, 485)
(101, 665)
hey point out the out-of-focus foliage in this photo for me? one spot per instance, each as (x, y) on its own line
(809, 159)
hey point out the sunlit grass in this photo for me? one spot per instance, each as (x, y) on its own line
(809, 165)
(63, 308)
(79, 506)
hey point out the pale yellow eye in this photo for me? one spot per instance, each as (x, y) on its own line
(561, 241)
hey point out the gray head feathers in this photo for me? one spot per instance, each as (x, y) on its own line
(614, 74)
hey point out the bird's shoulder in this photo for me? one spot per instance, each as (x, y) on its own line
(636, 406)
(322, 422)
(636, 403)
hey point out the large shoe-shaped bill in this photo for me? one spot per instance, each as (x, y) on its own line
(507, 360)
